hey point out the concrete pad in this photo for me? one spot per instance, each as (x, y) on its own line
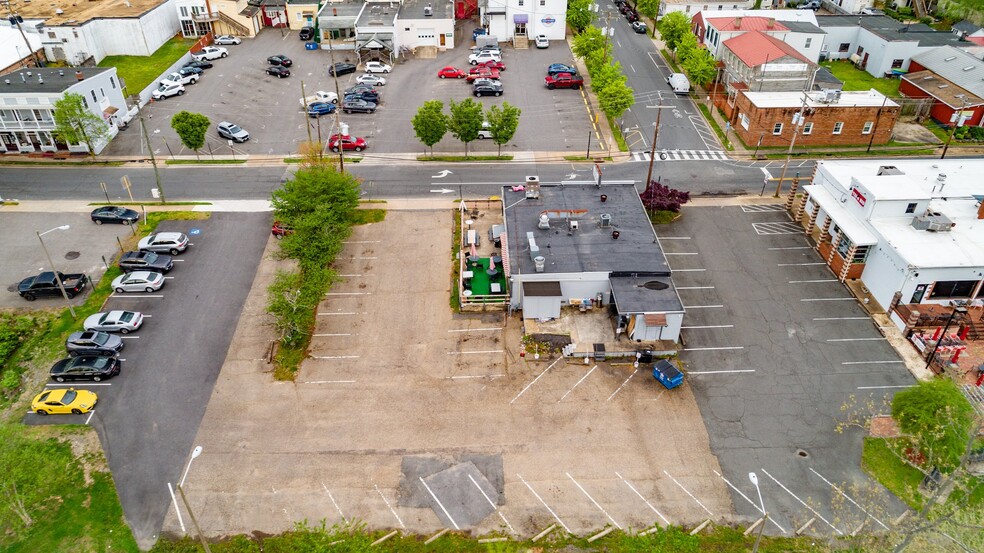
(458, 494)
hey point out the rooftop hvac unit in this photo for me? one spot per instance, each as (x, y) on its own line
(933, 221)
(543, 223)
(534, 249)
(428, 10)
(606, 220)
(829, 95)
(573, 225)
(533, 188)
(539, 263)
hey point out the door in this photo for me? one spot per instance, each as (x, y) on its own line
(426, 37)
(541, 307)
(443, 40)
(864, 61)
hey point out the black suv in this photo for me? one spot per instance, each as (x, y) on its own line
(306, 33)
(93, 342)
(145, 261)
(367, 95)
(341, 69)
(199, 64)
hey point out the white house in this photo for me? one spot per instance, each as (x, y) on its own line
(524, 19)
(426, 23)
(27, 104)
(798, 28)
(691, 7)
(909, 229)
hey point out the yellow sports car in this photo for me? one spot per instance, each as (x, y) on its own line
(63, 401)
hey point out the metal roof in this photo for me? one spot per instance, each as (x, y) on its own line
(756, 48)
(956, 66)
(891, 29)
(966, 26)
(47, 80)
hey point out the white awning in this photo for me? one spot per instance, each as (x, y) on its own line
(848, 223)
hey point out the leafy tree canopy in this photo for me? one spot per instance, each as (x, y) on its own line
(191, 128)
(615, 98)
(503, 122)
(466, 120)
(430, 123)
(579, 15)
(75, 124)
(700, 67)
(938, 418)
(587, 41)
(673, 27)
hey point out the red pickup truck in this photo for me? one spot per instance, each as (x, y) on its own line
(563, 80)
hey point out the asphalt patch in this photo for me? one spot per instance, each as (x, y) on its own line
(455, 483)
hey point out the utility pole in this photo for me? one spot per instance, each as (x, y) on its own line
(304, 101)
(652, 151)
(957, 121)
(608, 31)
(875, 128)
(16, 21)
(797, 122)
(338, 106)
(153, 160)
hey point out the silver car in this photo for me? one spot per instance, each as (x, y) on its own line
(138, 281)
(93, 343)
(167, 242)
(232, 131)
(123, 322)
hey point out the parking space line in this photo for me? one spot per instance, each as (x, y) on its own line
(688, 270)
(857, 339)
(884, 387)
(674, 238)
(325, 335)
(334, 357)
(713, 348)
(701, 306)
(136, 297)
(341, 313)
(623, 385)
(870, 362)
(439, 504)
(333, 502)
(828, 299)
(77, 384)
(494, 506)
(404, 526)
(695, 287)
(89, 418)
(688, 493)
(129, 337)
(600, 508)
(794, 248)
(799, 264)
(471, 352)
(723, 372)
(475, 329)
(646, 501)
(752, 503)
(680, 253)
(329, 382)
(168, 278)
(812, 281)
(706, 326)
(534, 382)
(577, 383)
(557, 518)
(842, 318)
(847, 497)
(818, 515)
(462, 377)
(348, 293)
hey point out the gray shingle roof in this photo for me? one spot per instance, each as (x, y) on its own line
(956, 66)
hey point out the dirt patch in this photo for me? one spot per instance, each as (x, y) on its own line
(910, 131)
(884, 427)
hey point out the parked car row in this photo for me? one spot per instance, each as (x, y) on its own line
(174, 83)
(278, 66)
(626, 9)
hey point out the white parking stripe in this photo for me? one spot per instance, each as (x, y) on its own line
(884, 387)
(713, 349)
(689, 270)
(534, 382)
(577, 383)
(812, 281)
(475, 329)
(722, 372)
(695, 287)
(828, 299)
(466, 376)
(650, 505)
(799, 264)
(333, 502)
(623, 385)
(706, 326)
(130, 337)
(334, 357)
(688, 493)
(701, 306)
(388, 505)
(557, 518)
(752, 503)
(794, 248)
(136, 296)
(471, 352)
(847, 497)
(89, 418)
(439, 504)
(494, 507)
(680, 253)
(674, 238)
(329, 382)
(818, 515)
(76, 384)
(842, 318)
(870, 362)
(600, 508)
(857, 339)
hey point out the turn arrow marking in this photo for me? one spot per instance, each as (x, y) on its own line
(442, 191)
(441, 175)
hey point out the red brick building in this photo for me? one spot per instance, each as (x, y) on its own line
(954, 79)
(829, 119)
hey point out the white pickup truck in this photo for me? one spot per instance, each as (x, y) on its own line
(176, 77)
(319, 96)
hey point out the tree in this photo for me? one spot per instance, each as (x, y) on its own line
(606, 75)
(430, 123)
(75, 124)
(596, 59)
(579, 15)
(700, 67)
(466, 120)
(191, 129)
(658, 197)
(615, 98)
(672, 28)
(938, 418)
(686, 47)
(587, 41)
(650, 9)
(503, 123)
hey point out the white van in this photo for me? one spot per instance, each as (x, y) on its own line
(679, 83)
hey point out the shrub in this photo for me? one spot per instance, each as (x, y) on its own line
(658, 197)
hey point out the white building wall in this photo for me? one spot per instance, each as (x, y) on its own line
(884, 274)
(840, 35)
(99, 38)
(410, 32)
(896, 208)
(691, 8)
(799, 41)
(572, 285)
(545, 17)
(674, 321)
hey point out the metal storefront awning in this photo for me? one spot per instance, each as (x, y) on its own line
(848, 223)
(375, 43)
(521, 18)
(544, 289)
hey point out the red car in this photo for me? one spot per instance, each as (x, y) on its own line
(492, 64)
(280, 230)
(451, 73)
(483, 72)
(346, 142)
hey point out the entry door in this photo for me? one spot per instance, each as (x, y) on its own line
(520, 29)
(864, 61)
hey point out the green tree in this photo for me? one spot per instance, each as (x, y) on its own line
(579, 15)
(672, 28)
(597, 59)
(605, 75)
(700, 67)
(615, 98)
(75, 124)
(466, 120)
(650, 9)
(938, 418)
(503, 123)
(587, 41)
(686, 47)
(430, 123)
(191, 129)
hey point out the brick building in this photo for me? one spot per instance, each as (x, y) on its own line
(758, 62)
(954, 79)
(830, 118)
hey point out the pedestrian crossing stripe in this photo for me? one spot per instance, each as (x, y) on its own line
(777, 228)
(763, 208)
(682, 155)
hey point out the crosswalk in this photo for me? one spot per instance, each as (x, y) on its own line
(682, 155)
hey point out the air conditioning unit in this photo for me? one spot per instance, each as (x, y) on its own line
(933, 221)
(829, 95)
(428, 10)
(855, 59)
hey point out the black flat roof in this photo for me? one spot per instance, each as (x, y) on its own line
(26, 80)
(636, 294)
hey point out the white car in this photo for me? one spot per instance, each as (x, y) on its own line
(138, 281)
(210, 53)
(485, 131)
(319, 96)
(164, 242)
(227, 39)
(377, 67)
(176, 77)
(541, 41)
(168, 89)
(482, 57)
(371, 79)
(123, 322)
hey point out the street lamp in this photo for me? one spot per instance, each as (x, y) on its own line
(61, 285)
(962, 311)
(194, 454)
(765, 515)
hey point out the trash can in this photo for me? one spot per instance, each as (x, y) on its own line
(644, 356)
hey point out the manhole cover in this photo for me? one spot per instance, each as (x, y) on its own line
(802, 453)
(655, 285)
(72, 255)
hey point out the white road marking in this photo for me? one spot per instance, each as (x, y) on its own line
(89, 418)
(76, 383)
(689, 270)
(842, 318)
(794, 248)
(534, 382)
(695, 287)
(706, 326)
(576, 385)
(847, 497)
(758, 508)
(461, 377)
(129, 337)
(333, 502)
(701, 306)
(799, 264)
(884, 387)
(329, 382)
(348, 293)
(623, 385)
(390, 506)
(475, 329)
(176, 509)
(680, 253)
(688, 493)
(439, 504)
(674, 237)
(600, 508)
(334, 357)
(326, 335)
(136, 296)
(722, 372)
(557, 518)
(828, 299)
(856, 339)
(471, 352)
(812, 281)
(713, 349)
(646, 501)
(494, 507)
(341, 313)
(818, 515)
(870, 362)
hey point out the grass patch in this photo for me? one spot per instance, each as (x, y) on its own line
(367, 216)
(717, 129)
(205, 162)
(138, 72)
(670, 60)
(617, 133)
(880, 461)
(463, 158)
(663, 217)
(14, 162)
(455, 301)
(856, 79)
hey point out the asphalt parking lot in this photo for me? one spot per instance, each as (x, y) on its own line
(237, 89)
(775, 345)
(147, 416)
(80, 249)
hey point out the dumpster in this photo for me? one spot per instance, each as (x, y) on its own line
(667, 374)
(310, 45)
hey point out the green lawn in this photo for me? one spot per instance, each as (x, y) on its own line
(856, 79)
(139, 71)
(881, 463)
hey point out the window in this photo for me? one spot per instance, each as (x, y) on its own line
(953, 289)
(521, 3)
(867, 127)
(777, 128)
(838, 127)
(93, 92)
(809, 41)
(897, 64)
(112, 83)
(51, 34)
(860, 50)
(807, 128)
(543, 2)
(184, 12)
(911, 208)
(844, 47)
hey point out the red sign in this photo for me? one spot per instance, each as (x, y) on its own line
(859, 197)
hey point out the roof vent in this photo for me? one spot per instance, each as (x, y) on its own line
(655, 285)
(943, 86)
(889, 170)
(574, 225)
(534, 249)
(61, 72)
(969, 68)
(58, 11)
(428, 10)
(539, 263)
(951, 58)
(543, 223)
(79, 75)
(933, 221)
(606, 220)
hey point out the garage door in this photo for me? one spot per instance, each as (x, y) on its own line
(426, 37)
(541, 308)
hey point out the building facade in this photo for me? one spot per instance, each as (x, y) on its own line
(954, 79)
(690, 8)
(797, 28)
(509, 20)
